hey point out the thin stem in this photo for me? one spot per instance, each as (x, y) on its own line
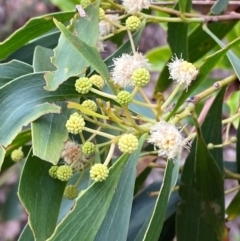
(231, 175)
(147, 100)
(101, 93)
(79, 179)
(232, 190)
(157, 165)
(170, 98)
(231, 119)
(99, 133)
(131, 41)
(110, 154)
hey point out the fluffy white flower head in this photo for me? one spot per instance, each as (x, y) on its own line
(167, 139)
(124, 67)
(135, 6)
(105, 27)
(182, 72)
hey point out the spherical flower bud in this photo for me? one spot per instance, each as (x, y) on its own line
(90, 105)
(85, 3)
(135, 6)
(133, 23)
(128, 143)
(70, 192)
(140, 77)
(105, 27)
(64, 173)
(210, 146)
(124, 67)
(124, 97)
(75, 124)
(88, 148)
(166, 139)
(97, 80)
(101, 14)
(83, 85)
(17, 155)
(182, 72)
(99, 172)
(233, 139)
(53, 171)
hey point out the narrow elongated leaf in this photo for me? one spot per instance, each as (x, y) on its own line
(234, 60)
(41, 196)
(209, 183)
(26, 234)
(197, 202)
(185, 6)
(116, 222)
(41, 60)
(34, 28)
(204, 70)
(158, 216)
(87, 216)
(79, 46)
(12, 70)
(178, 32)
(219, 6)
(143, 205)
(49, 135)
(30, 104)
(26, 52)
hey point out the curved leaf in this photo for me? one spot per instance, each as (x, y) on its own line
(49, 135)
(26, 234)
(41, 59)
(34, 28)
(26, 52)
(76, 49)
(12, 70)
(196, 202)
(219, 6)
(29, 106)
(41, 196)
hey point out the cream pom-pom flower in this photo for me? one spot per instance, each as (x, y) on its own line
(167, 139)
(182, 72)
(106, 27)
(124, 67)
(135, 6)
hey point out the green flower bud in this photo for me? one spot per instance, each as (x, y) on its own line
(83, 85)
(101, 14)
(64, 173)
(75, 124)
(124, 97)
(97, 80)
(133, 23)
(99, 172)
(88, 148)
(128, 143)
(140, 77)
(70, 192)
(17, 155)
(53, 172)
(90, 105)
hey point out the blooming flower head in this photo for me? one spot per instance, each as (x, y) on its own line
(135, 6)
(167, 139)
(182, 72)
(105, 27)
(124, 67)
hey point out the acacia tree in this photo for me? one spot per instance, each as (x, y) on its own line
(84, 124)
